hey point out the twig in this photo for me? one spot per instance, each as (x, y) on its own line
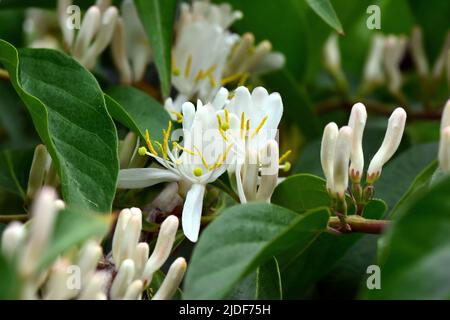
(360, 224)
(13, 217)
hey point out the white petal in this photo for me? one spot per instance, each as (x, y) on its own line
(144, 177)
(192, 211)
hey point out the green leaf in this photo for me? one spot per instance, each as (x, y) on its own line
(14, 169)
(69, 113)
(137, 111)
(268, 281)
(420, 183)
(325, 10)
(301, 192)
(400, 172)
(157, 16)
(72, 228)
(242, 238)
(414, 261)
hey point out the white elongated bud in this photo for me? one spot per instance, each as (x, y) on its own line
(96, 286)
(418, 52)
(119, 53)
(119, 233)
(12, 239)
(395, 47)
(131, 235)
(172, 280)
(44, 213)
(123, 279)
(39, 167)
(439, 65)
(141, 257)
(391, 141)
(445, 119)
(238, 55)
(89, 27)
(269, 174)
(163, 247)
(444, 150)
(328, 146)
(332, 54)
(88, 259)
(57, 284)
(373, 69)
(134, 290)
(357, 122)
(341, 161)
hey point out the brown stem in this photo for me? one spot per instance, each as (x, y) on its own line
(360, 224)
(13, 217)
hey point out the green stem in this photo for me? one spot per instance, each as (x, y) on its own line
(360, 224)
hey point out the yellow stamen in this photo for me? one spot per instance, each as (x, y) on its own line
(242, 124)
(219, 121)
(187, 69)
(142, 151)
(198, 172)
(227, 116)
(176, 145)
(222, 133)
(149, 143)
(178, 115)
(175, 70)
(247, 126)
(222, 158)
(232, 78)
(162, 150)
(261, 124)
(199, 76)
(284, 156)
(205, 164)
(212, 80)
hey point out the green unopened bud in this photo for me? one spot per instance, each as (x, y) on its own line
(38, 170)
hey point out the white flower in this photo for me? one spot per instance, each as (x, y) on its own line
(357, 122)
(341, 161)
(130, 46)
(200, 160)
(392, 139)
(95, 34)
(373, 69)
(327, 149)
(201, 48)
(332, 54)
(445, 119)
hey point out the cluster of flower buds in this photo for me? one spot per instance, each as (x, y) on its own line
(76, 273)
(231, 59)
(342, 154)
(87, 39)
(444, 144)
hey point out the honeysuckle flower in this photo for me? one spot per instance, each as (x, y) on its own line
(332, 55)
(341, 161)
(130, 46)
(95, 34)
(357, 122)
(391, 141)
(23, 246)
(327, 150)
(394, 50)
(200, 160)
(197, 71)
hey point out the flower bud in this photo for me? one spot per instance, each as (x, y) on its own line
(392, 139)
(39, 167)
(373, 70)
(127, 149)
(163, 247)
(444, 150)
(122, 280)
(131, 235)
(89, 28)
(57, 284)
(418, 52)
(330, 134)
(445, 119)
(341, 161)
(357, 122)
(141, 257)
(12, 239)
(172, 280)
(134, 290)
(95, 287)
(395, 47)
(439, 65)
(119, 53)
(119, 234)
(332, 54)
(88, 259)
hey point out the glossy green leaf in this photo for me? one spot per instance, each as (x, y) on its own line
(14, 169)
(301, 192)
(72, 228)
(69, 113)
(137, 111)
(242, 238)
(414, 262)
(268, 281)
(420, 184)
(157, 16)
(326, 11)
